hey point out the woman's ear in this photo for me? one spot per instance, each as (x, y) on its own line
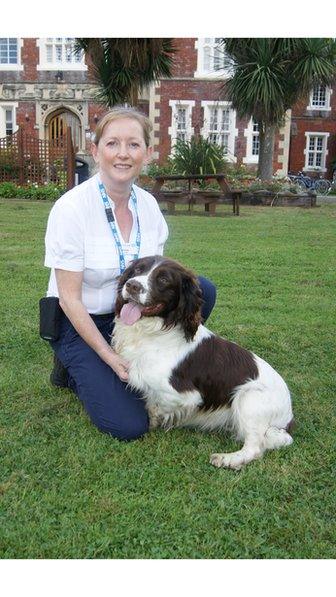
(94, 151)
(149, 155)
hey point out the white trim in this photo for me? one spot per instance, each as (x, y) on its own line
(18, 66)
(172, 130)
(327, 107)
(201, 71)
(232, 132)
(53, 66)
(324, 152)
(3, 107)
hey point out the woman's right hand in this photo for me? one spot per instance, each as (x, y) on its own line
(119, 366)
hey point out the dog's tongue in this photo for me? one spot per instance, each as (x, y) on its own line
(130, 313)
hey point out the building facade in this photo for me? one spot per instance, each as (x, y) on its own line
(45, 86)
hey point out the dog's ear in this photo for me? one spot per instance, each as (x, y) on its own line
(188, 310)
(190, 302)
(119, 300)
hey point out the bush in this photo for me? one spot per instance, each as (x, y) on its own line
(154, 169)
(198, 156)
(35, 192)
(8, 189)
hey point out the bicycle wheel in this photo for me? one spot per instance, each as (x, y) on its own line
(322, 186)
(301, 185)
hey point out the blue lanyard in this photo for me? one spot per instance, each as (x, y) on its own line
(111, 221)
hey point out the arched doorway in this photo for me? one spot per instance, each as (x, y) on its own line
(58, 123)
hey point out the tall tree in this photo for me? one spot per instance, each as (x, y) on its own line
(269, 75)
(122, 67)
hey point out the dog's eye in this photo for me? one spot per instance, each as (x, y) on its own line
(137, 271)
(163, 280)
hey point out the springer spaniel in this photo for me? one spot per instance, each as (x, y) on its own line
(188, 375)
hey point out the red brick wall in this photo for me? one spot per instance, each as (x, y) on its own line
(29, 59)
(185, 59)
(312, 121)
(198, 91)
(27, 109)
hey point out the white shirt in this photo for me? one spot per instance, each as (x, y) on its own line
(79, 239)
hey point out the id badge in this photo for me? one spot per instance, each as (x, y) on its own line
(130, 251)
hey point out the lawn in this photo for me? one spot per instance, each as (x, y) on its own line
(68, 491)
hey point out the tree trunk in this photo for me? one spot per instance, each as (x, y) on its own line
(266, 151)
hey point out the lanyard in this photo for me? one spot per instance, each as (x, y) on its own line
(110, 218)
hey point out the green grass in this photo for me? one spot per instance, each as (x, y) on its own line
(68, 491)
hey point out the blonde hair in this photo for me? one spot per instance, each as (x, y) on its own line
(123, 112)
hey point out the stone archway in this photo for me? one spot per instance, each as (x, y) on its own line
(57, 122)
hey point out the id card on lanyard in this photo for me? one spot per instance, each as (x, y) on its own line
(130, 249)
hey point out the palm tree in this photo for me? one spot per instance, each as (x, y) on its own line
(124, 66)
(269, 76)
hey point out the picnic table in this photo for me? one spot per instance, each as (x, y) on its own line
(209, 197)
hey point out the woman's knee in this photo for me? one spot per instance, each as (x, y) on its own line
(209, 293)
(123, 430)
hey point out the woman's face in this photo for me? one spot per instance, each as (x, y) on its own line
(121, 151)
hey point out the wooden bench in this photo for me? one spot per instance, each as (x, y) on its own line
(209, 198)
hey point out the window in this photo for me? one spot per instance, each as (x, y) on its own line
(211, 58)
(181, 120)
(57, 53)
(8, 50)
(10, 53)
(9, 121)
(181, 123)
(316, 151)
(219, 125)
(319, 98)
(7, 118)
(255, 138)
(252, 142)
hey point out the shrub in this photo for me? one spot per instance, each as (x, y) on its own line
(33, 191)
(198, 156)
(8, 189)
(154, 169)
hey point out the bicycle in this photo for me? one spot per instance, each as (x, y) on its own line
(304, 182)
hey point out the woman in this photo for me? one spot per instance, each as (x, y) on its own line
(94, 231)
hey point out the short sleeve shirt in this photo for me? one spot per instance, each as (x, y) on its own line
(79, 239)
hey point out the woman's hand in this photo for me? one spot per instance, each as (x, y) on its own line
(70, 289)
(119, 366)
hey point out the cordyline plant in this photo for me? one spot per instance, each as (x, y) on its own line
(122, 67)
(268, 77)
(198, 156)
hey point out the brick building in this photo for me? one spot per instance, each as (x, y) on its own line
(44, 87)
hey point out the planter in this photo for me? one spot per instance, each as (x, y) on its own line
(279, 199)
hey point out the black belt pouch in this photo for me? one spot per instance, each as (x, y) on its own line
(50, 318)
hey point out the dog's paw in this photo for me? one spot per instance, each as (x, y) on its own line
(233, 461)
(155, 418)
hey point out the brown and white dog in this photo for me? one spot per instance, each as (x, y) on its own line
(189, 376)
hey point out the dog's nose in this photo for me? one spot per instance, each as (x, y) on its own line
(134, 287)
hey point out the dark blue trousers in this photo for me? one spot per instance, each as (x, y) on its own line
(111, 405)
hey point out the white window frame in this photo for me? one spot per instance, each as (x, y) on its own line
(18, 65)
(327, 107)
(172, 130)
(3, 107)
(249, 133)
(42, 44)
(202, 72)
(233, 131)
(324, 152)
